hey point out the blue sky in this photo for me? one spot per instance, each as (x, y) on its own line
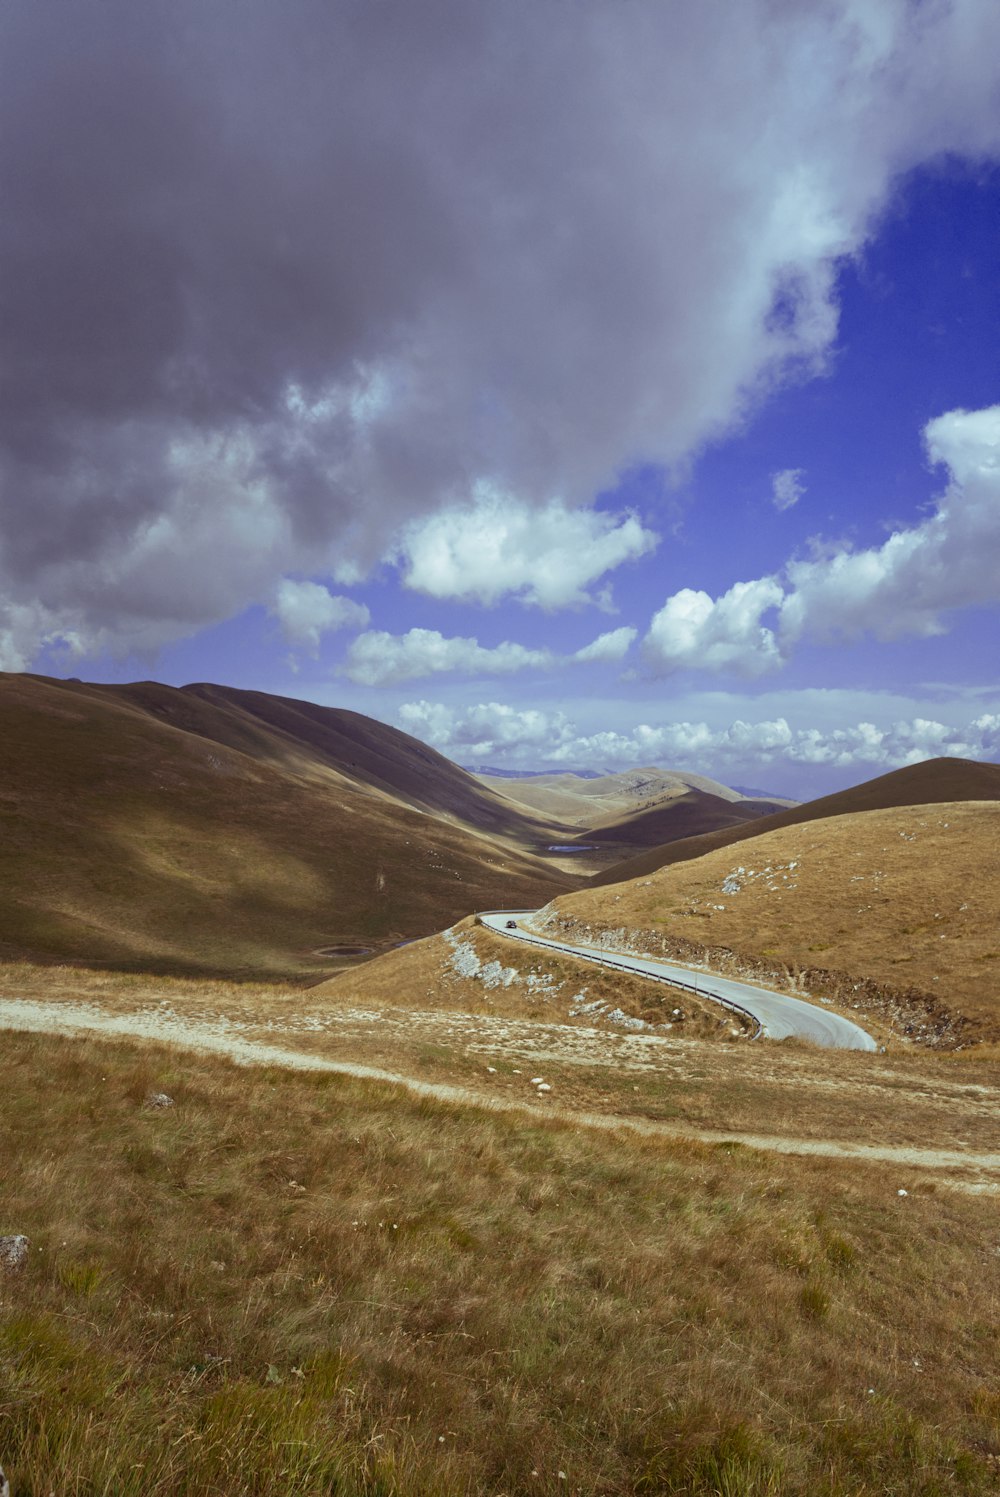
(623, 452)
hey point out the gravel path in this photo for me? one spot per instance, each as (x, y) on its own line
(978, 1172)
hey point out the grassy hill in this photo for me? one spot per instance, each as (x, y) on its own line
(205, 830)
(691, 813)
(586, 803)
(613, 817)
(895, 912)
(934, 781)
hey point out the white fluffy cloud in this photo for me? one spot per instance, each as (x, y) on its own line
(420, 266)
(490, 728)
(787, 487)
(614, 645)
(537, 740)
(694, 632)
(909, 583)
(381, 659)
(498, 546)
(905, 586)
(308, 610)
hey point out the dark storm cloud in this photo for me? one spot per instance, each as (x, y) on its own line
(275, 278)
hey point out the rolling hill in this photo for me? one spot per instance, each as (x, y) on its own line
(894, 911)
(933, 781)
(206, 830)
(687, 814)
(586, 802)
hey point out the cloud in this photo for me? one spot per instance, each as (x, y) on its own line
(614, 645)
(694, 632)
(23, 627)
(307, 610)
(486, 729)
(536, 740)
(787, 487)
(905, 586)
(381, 659)
(273, 301)
(497, 546)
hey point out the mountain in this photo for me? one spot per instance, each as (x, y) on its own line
(587, 803)
(208, 830)
(689, 813)
(934, 781)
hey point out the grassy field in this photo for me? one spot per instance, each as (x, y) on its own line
(307, 1284)
(895, 913)
(410, 1016)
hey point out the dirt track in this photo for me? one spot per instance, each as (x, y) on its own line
(252, 1044)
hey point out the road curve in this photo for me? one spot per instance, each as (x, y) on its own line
(778, 1015)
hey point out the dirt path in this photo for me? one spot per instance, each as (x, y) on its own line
(967, 1170)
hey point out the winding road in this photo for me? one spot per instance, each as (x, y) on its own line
(778, 1015)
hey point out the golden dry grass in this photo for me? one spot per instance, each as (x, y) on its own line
(894, 912)
(793, 1095)
(309, 1285)
(546, 986)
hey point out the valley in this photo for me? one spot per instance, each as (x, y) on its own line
(319, 1175)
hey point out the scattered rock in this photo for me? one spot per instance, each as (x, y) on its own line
(4, 1485)
(159, 1099)
(13, 1253)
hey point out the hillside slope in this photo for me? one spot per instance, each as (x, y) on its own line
(691, 813)
(933, 781)
(304, 738)
(190, 831)
(895, 912)
(587, 802)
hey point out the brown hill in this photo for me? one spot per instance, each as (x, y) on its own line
(692, 813)
(303, 738)
(204, 830)
(934, 781)
(583, 802)
(895, 912)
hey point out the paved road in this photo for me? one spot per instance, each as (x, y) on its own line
(778, 1015)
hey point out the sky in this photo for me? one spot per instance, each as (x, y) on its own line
(574, 386)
